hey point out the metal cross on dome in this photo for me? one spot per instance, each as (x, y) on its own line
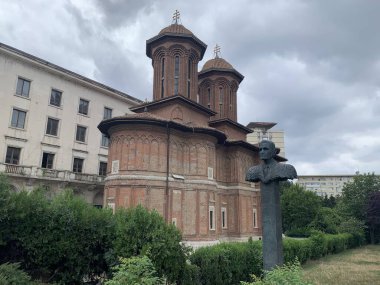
(176, 16)
(216, 51)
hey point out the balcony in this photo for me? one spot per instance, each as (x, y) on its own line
(50, 174)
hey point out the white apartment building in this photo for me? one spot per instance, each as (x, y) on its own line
(324, 185)
(262, 131)
(48, 126)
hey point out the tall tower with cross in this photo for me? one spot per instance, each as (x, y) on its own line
(218, 84)
(175, 54)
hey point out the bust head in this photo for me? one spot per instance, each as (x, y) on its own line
(267, 150)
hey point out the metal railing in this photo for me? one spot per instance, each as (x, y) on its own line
(38, 172)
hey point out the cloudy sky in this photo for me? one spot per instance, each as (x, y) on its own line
(311, 66)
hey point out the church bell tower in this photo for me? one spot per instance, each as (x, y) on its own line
(175, 53)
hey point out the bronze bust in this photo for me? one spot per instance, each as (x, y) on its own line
(270, 170)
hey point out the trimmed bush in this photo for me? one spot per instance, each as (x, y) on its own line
(228, 263)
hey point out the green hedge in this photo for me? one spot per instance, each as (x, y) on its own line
(229, 263)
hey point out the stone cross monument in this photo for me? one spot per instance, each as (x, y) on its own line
(269, 173)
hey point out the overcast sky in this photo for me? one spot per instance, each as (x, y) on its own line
(311, 66)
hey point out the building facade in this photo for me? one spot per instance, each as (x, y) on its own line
(48, 127)
(324, 185)
(184, 154)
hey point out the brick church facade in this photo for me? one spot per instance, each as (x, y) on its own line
(184, 153)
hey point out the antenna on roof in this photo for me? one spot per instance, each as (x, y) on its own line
(176, 17)
(216, 51)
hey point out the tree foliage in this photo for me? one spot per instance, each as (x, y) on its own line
(356, 194)
(326, 220)
(372, 212)
(299, 207)
(359, 201)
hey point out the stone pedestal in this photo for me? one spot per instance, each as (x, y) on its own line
(272, 227)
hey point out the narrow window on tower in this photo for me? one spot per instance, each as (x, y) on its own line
(176, 75)
(211, 212)
(224, 217)
(188, 78)
(230, 99)
(220, 102)
(162, 77)
(254, 218)
(209, 97)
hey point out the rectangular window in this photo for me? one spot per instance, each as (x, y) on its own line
(107, 113)
(13, 155)
(103, 168)
(81, 134)
(115, 167)
(47, 160)
(83, 106)
(254, 218)
(105, 141)
(52, 127)
(224, 218)
(78, 165)
(23, 87)
(55, 98)
(211, 212)
(18, 119)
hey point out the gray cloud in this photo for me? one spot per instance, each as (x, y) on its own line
(311, 66)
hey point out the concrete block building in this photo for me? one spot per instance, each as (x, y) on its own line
(48, 126)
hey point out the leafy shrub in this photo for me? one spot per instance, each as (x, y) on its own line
(11, 274)
(299, 232)
(228, 263)
(135, 270)
(191, 275)
(63, 240)
(287, 274)
(140, 232)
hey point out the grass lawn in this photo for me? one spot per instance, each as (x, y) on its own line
(354, 266)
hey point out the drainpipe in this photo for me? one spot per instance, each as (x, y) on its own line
(167, 174)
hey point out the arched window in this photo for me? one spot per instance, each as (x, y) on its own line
(230, 99)
(188, 77)
(209, 97)
(220, 101)
(162, 77)
(176, 74)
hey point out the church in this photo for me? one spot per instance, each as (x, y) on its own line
(184, 154)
